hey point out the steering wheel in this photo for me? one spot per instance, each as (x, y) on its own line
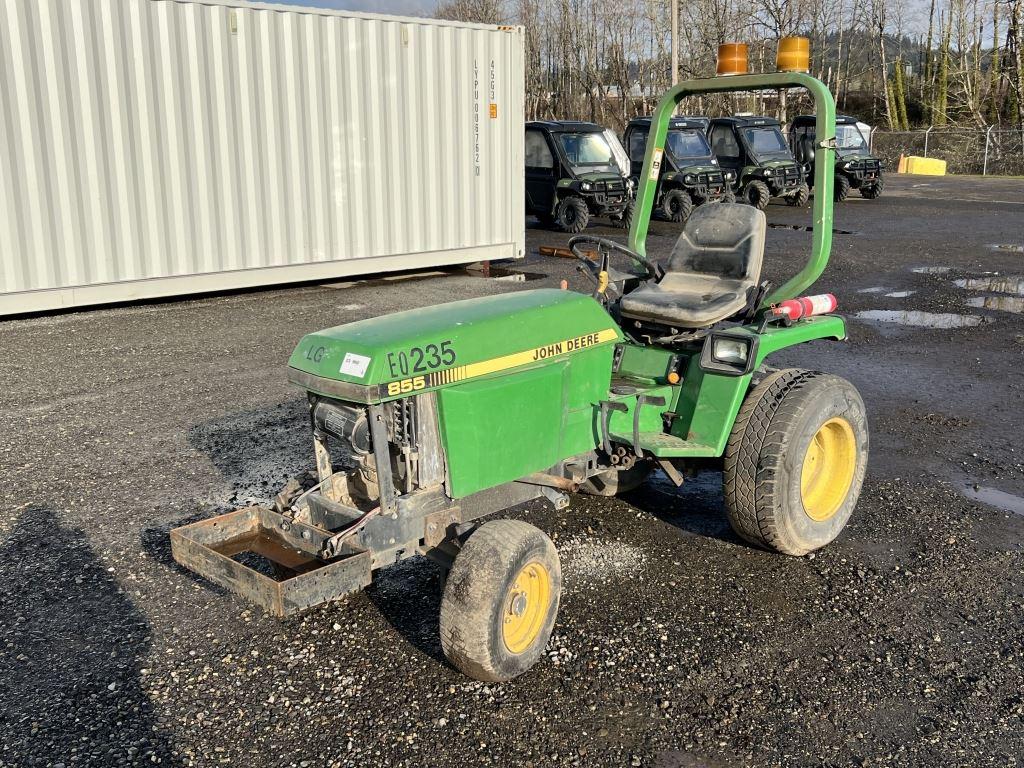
(575, 244)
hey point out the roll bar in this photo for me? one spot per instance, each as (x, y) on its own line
(825, 144)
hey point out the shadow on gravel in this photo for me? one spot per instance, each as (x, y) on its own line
(408, 596)
(697, 508)
(70, 669)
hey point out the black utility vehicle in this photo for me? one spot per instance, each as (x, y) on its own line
(755, 149)
(689, 174)
(856, 167)
(571, 175)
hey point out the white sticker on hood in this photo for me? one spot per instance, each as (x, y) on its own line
(355, 365)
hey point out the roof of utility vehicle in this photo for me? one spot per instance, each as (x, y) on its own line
(802, 120)
(746, 121)
(674, 122)
(566, 126)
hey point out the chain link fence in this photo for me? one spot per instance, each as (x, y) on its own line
(991, 152)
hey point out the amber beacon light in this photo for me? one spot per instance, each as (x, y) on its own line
(732, 59)
(794, 55)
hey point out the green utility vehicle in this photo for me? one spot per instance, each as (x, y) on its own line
(755, 150)
(689, 174)
(571, 175)
(423, 422)
(856, 168)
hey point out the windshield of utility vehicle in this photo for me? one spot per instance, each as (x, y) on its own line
(766, 143)
(850, 139)
(687, 142)
(586, 149)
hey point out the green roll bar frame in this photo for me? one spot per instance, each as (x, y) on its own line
(825, 133)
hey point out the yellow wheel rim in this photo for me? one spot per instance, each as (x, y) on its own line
(829, 466)
(526, 607)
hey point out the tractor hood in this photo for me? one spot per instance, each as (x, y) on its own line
(431, 347)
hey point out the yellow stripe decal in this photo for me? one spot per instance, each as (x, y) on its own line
(495, 364)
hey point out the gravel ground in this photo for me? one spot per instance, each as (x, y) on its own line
(677, 645)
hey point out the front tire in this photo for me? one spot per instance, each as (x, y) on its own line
(800, 196)
(795, 461)
(842, 188)
(872, 191)
(676, 205)
(500, 600)
(624, 220)
(757, 194)
(572, 215)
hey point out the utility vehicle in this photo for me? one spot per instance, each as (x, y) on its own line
(855, 166)
(756, 151)
(571, 175)
(423, 422)
(689, 172)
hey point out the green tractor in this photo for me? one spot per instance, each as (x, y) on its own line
(690, 175)
(572, 174)
(855, 166)
(755, 150)
(424, 422)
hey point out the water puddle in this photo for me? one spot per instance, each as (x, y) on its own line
(1002, 303)
(802, 228)
(923, 319)
(1012, 285)
(875, 289)
(1002, 500)
(1011, 247)
(900, 294)
(931, 270)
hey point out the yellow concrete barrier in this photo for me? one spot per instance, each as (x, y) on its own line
(926, 166)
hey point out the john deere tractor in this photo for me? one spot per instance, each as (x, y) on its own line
(426, 422)
(755, 150)
(572, 174)
(689, 173)
(855, 166)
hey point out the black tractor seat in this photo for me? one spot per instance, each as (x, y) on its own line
(712, 273)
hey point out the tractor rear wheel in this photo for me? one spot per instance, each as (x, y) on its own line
(612, 482)
(500, 600)
(572, 215)
(842, 188)
(873, 190)
(795, 461)
(676, 205)
(757, 194)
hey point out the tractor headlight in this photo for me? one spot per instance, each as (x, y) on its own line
(767, 171)
(729, 354)
(585, 186)
(689, 178)
(730, 175)
(630, 183)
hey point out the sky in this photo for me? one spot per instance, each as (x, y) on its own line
(394, 7)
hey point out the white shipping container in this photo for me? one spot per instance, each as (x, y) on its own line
(160, 147)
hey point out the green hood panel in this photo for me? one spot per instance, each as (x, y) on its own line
(434, 346)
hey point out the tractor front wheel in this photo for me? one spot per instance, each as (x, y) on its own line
(795, 461)
(757, 194)
(572, 215)
(500, 600)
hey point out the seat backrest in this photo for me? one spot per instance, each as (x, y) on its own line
(721, 239)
